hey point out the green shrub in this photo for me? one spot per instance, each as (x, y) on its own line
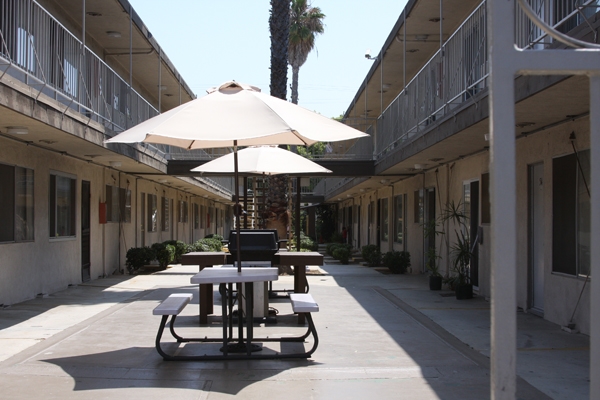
(137, 257)
(165, 254)
(180, 248)
(371, 254)
(341, 253)
(214, 236)
(208, 244)
(330, 247)
(397, 261)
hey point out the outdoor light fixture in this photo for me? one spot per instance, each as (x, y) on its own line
(385, 181)
(114, 164)
(17, 130)
(419, 166)
(113, 34)
(486, 137)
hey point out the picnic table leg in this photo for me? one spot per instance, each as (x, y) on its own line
(205, 299)
(300, 286)
(249, 292)
(224, 295)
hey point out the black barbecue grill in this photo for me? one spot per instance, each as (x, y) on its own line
(255, 245)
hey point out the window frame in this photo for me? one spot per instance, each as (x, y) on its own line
(54, 213)
(399, 220)
(28, 216)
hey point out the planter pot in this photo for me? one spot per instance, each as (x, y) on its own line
(435, 283)
(464, 292)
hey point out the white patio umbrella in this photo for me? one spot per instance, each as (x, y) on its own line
(236, 114)
(268, 160)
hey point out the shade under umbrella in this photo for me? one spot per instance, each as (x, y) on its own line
(266, 160)
(235, 114)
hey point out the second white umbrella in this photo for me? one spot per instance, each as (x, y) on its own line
(268, 160)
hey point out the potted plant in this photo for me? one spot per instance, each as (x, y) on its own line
(435, 278)
(461, 252)
(397, 261)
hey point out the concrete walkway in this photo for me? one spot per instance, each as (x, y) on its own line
(380, 335)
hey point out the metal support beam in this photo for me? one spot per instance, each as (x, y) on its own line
(503, 196)
(595, 237)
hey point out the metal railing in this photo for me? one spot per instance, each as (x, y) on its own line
(564, 15)
(39, 51)
(455, 74)
(460, 70)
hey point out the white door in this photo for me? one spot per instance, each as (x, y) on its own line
(536, 240)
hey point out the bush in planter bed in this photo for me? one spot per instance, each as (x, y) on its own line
(137, 257)
(208, 244)
(397, 261)
(342, 254)
(165, 254)
(180, 248)
(371, 254)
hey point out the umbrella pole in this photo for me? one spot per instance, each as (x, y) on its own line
(237, 206)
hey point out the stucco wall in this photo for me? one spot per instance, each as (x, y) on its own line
(46, 264)
(560, 291)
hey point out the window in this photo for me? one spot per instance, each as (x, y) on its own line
(16, 204)
(62, 205)
(485, 199)
(385, 223)
(571, 214)
(164, 212)
(399, 219)
(118, 204)
(183, 212)
(418, 207)
(152, 213)
(196, 217)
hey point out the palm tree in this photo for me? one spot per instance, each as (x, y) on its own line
(279, 22)
(305, 23)
(276, 214)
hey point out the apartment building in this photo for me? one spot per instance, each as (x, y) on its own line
(72, 74)
(425, 103)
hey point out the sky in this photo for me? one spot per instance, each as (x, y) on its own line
(211, 42)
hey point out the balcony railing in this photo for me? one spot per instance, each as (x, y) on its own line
(455, 74)
(38, 50)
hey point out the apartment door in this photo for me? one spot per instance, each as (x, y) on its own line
(359, 233)
(536, 238)
(473, 215)
(429, 217)
(85, 231)
(142, 219)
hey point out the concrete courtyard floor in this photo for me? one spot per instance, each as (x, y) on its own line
(383, 336)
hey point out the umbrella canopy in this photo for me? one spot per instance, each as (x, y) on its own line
(235, 114)
(235, 111)
(266, 160)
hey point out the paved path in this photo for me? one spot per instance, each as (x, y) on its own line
(380, 335)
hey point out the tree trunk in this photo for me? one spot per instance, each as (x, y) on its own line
(276, 215)
(295, 73)
(279, 23)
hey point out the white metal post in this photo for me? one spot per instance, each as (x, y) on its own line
(503, 196)
(595, 237)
